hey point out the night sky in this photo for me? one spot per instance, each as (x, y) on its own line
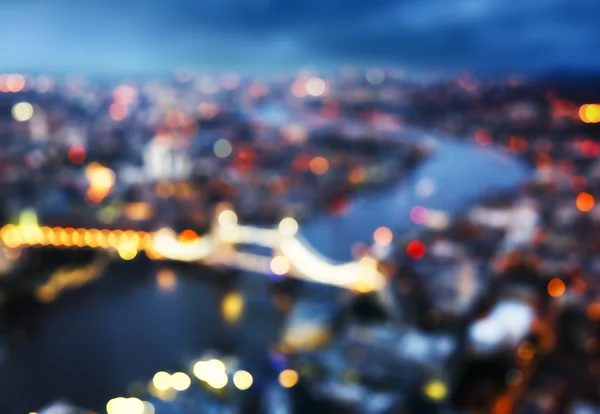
(157, 36)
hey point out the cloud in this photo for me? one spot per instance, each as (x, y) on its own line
(420, 34)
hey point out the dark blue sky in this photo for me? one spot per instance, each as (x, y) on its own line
(155, 36)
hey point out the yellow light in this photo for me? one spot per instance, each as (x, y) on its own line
(206, 370)
(288, 378)
(23, 111)
(132, 406)
(148, 408)
(162, 381)
(232, 306)
(180, 381)
(288, 227)
(228, 218)
(315, 86)
(218, 380)
(128, 250)
(242, 380)
(436, 390)
(116, 405)
(280, 265)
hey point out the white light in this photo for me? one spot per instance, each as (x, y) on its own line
(280, 265)
(315, 86)
(218, 381)
(228, 218)
(242, 380)
(23, 111)
(288, 227)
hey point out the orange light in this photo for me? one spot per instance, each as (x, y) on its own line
(319, 165)
(525, 351)
(585, 202)
(117, 112)
(590, 113)
(188, 236)
(165, 189)
(383, 236)
(556, 287)
(166, 280)
(593, 310)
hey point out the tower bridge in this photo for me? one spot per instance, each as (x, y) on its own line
(291, 254)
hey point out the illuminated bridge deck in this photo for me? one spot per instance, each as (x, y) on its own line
(291, 255)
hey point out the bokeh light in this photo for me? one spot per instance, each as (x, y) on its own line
(418, 215)
(162, 381)
(316, 86)
(288, 227)
(383, 236)
(280, 265)
(180, 381)
(585, 202)
(22, 111)
(288, 378)
(242, 380)
(556, 287)
(222, 148)
(415, 249)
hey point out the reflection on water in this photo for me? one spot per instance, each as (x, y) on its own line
(90, 345)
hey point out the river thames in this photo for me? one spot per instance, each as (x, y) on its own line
(91, 344)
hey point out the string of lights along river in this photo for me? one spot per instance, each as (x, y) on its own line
(90, 345)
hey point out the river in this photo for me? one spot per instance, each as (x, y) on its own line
(89, 345)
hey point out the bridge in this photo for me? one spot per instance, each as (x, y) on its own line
(291, 255)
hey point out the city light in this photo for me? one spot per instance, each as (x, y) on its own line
(222, 148)
(232, 307)
(162, 381)
(383, 236)
(288, 378)
(22, 111)
(415, 249)
(585, 202)
(435, 390)
(319, 165)
(166, 280)
(315, 86)
(590, 113)
(556, 287)
(228, 218)
(180, 381)
(280, 265)
(288, 227)
(242, 380)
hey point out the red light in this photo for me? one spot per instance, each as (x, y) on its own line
(338, 206)
(589, 148)
(76, 154)
(415, 249)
